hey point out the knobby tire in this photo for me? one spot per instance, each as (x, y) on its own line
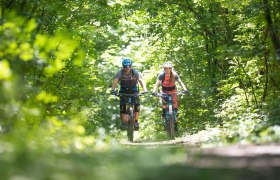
(130, 131)
(171, 131)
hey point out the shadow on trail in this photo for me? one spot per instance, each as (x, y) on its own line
(190, 172)
(228, 162)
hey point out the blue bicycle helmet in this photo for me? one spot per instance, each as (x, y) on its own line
(126, 62)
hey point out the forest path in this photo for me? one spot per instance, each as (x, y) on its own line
(215, 156)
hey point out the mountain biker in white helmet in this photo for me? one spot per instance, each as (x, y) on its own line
(168, 80)
(128, 80)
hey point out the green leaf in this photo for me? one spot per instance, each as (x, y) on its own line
(26, 52)
(31, 25)
(46, 97)
(5, 71)
(79, 57)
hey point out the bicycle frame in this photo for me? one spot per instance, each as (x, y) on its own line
(130, 130)
(170, 113)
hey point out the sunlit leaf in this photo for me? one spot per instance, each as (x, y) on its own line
(5, 71)
(50, 70)
(54, 121)
(9, 25)
(26, 52)
(31, 25)
(46, 97)
(41, 40)
(79, 58)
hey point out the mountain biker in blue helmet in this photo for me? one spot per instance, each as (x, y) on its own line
(128, 79)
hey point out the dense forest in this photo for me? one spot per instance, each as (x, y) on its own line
(58, 60)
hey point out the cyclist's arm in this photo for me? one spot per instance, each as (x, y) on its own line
(115, 83)
(182, 84)
(143, 85)
(156, 85)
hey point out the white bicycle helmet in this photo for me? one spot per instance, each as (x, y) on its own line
(167, 64)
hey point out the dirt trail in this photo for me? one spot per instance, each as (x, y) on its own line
(187, 140)
(231, 156)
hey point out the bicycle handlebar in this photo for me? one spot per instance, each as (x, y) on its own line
(131, 95)
(166, 94)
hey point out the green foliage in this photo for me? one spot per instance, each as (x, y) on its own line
(58, 60)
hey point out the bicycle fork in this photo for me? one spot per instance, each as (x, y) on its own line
(130, 109)
(170, 111)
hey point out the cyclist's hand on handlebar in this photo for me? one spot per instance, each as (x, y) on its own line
(145, 92)
(113, 92)
(185, 91)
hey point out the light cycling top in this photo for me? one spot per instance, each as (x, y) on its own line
(128, 82)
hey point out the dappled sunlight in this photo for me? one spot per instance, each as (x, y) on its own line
(5, 71)
(59, 120)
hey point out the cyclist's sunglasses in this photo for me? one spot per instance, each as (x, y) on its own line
(126, 66)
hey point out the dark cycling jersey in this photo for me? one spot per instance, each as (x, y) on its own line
(128, 82)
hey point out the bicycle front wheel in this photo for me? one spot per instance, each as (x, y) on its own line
(130, 130)
(171, 131)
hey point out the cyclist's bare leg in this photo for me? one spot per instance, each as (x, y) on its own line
(123, 114)
(175, 101)
(136, 115)
(175, 105)
(124, 118)
(136, 112)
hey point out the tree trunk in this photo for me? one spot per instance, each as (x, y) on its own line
(272, 30)
(266, 56)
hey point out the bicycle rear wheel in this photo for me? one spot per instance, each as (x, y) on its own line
(130, 130)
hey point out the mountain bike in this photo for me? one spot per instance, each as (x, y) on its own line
(130, 108)
(170, 114)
